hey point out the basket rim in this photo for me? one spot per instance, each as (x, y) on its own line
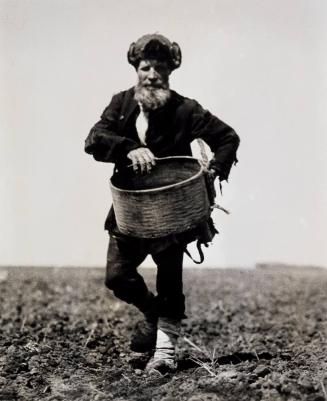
(165, 186)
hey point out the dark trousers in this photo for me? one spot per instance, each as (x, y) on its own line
(122, 277)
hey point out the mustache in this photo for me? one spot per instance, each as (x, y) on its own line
(154, 85)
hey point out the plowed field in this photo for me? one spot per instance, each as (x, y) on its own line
(256, 334)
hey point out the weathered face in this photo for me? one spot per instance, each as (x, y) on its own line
(153, 73)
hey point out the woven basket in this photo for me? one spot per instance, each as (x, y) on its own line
(171, 199)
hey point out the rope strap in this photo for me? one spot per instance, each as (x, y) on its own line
(198, 245)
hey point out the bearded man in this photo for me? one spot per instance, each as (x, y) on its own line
(141, 124)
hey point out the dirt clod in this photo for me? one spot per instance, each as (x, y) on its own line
(261, 371)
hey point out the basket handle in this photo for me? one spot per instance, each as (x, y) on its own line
(168, 157)
(204, 161)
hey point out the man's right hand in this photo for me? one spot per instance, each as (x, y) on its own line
(143, 159)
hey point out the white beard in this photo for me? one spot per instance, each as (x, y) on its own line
(151, 98)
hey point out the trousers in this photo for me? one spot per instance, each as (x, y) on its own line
(122, 277)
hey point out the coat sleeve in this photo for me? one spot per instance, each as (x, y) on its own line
(221, 138)
(104, 142)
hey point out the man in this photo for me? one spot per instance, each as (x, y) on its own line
(140, 124)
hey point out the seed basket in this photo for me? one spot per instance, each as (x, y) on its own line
(171, 199)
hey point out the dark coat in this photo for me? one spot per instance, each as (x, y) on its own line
(171, 130)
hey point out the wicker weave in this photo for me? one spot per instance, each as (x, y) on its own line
(171, 199)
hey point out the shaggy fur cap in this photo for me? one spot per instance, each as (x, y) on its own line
(155, 46)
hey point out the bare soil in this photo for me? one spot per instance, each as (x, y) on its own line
(250, 335)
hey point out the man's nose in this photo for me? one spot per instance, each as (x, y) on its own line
(153, 76)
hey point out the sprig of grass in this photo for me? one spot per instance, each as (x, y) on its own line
(23, 324)
(323, 389)
(209, 367)
(93, 327)
(204, 366)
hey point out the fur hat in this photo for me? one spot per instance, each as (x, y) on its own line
(155, 46)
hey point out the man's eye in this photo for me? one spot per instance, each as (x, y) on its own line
(161, 69)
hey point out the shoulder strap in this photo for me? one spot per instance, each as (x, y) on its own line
(198, 245)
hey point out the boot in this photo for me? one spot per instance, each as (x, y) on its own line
(144, 337)
(164, 358)
(145, 333)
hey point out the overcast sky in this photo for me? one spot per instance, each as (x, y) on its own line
(259, 65)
